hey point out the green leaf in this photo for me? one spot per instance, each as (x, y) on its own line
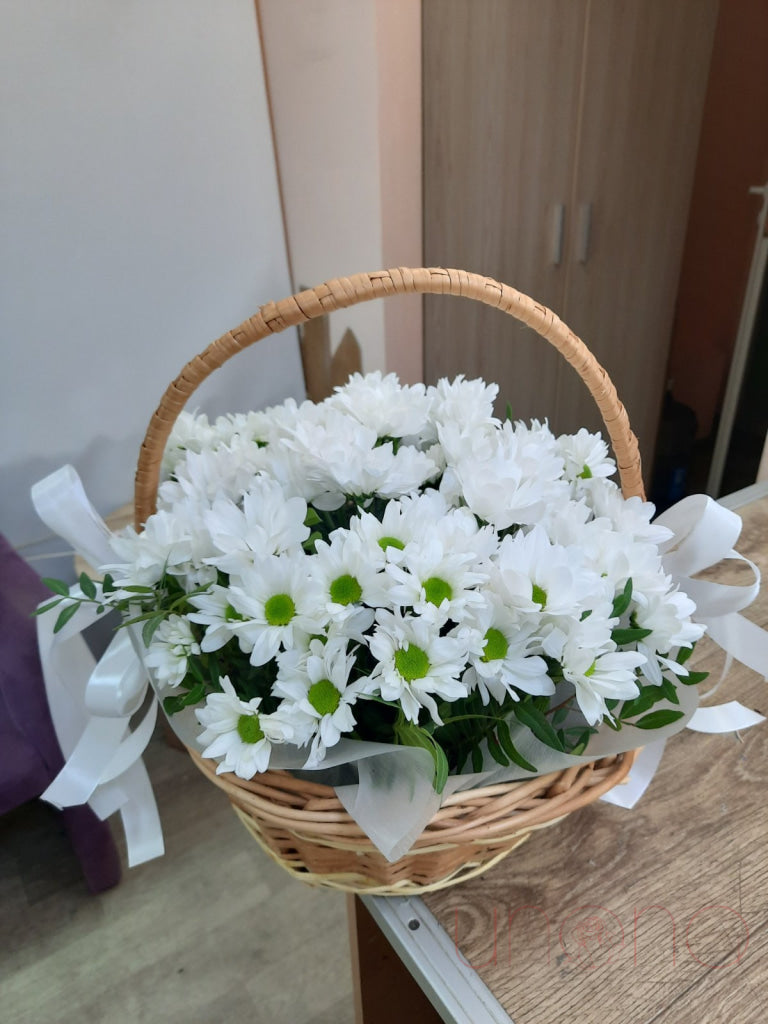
(622, 601)
(136, 589)
(87, 586)
(57, 586)
(441, 767)
(511, 750)
(534, 718)
(640, 704)
(508, 412)
(311, 518)
(149, 628)
(657, 719)
(560, 716)
(669, 691)
(495, 751)
(173, 704)
(683, 655)
(107, 584)
(477, 759)
(64, 616)
(621, 637)
(694, 678)
(193, 696)
(46, 607)
(195, 670)
(411, 735)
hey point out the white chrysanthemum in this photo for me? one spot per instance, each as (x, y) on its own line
(316, 691)
(205, 475)
(608, 676)
(383, 404)
(508, 658)
(468, 404)
(346, 571)
(172, 645)
(586, 456)
(436, 581)
(535, 575)
(402, 522)
(274, 603)
(267, 524)
(235, 731)
(630, 516)
(190, 432)
(668, 616)
(214, 611)
(416, 664)
(505, 480)
(165, 545)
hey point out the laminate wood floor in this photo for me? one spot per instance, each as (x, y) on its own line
(213, 931)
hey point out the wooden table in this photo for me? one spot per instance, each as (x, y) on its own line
(657, 914)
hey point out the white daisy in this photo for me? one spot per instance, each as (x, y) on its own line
(508, 659)
(415, 664)
(316, 690)
(586, 456)
(235, 731)
(274, 603)
(348, 577)
(597, 679)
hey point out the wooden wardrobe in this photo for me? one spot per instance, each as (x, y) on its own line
(560, 139)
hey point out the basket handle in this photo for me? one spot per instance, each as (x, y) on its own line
(348, 291)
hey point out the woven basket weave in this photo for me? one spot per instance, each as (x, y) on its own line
(302, 824)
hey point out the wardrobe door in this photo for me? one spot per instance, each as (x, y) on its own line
(501, 92)
(645, 74)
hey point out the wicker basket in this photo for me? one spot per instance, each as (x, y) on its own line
(301, 824)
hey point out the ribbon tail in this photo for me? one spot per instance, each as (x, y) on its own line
(131, 794)
(640, 776)
(738, 636)
(729, 717)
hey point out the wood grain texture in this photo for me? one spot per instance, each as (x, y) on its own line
(211, 932)
(655, 915)
(645, 77)
(500, 115)
(531, 103)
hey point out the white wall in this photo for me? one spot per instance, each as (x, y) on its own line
(345, 90)
(141, 220)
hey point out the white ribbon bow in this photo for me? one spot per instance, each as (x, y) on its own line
(92, 704)
(704, 534)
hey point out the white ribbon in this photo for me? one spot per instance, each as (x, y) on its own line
(704, 534)
(92, 704)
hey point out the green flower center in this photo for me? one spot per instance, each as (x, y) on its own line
(411, 662)
(279, 610)
(248, 729)
(496, 645)
(346, 590)
(436, 590)
(539, 596)
(390, 542)
(586, 473)
(591, 670)
(324, 697)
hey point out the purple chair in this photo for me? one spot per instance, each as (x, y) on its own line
(30, 756)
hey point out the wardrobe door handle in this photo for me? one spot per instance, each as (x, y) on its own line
(583, 232)
(556, 239)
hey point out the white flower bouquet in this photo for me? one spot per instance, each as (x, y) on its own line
(395, 565)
